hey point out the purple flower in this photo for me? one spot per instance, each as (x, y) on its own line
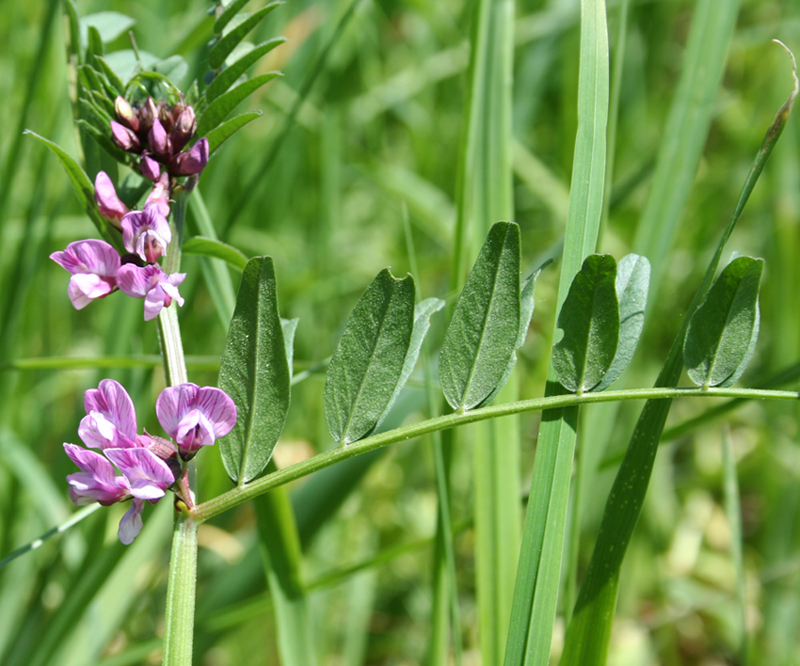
(110, 420)
(150, 168)
(123, 137)
(96, 482)
(195, 416)
(94, 265)
(148, 475)
(151, 283)
(107, 200)
(146, 232)
(192, 161)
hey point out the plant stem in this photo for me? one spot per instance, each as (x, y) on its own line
(181, 588)
(179, 626)
(241, 494)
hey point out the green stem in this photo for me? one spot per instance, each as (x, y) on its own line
(179, 627)
(181, 588)
(241, 494)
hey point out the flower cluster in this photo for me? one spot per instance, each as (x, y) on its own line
(193, 416)
(157, 134)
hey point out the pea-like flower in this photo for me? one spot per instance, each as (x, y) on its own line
(148, 464)
(146, 232)
(195, 416)
(94, 265)
(151, 283)
(192, 161)
(109, 204)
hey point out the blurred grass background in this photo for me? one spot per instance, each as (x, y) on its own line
(378, 135)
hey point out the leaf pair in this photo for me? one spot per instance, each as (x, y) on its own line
(602, 319)
(722, 333)
(375, 356)
(489, 323)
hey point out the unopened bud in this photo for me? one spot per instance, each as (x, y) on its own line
(159, 139)
(108, 202)
(192, 161)
(150, 168)
(125, 113)
(184, 129)
(123, 137)
(148, 114)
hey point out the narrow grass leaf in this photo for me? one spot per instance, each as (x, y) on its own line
(218, 110)
(83, 188)
(422, 322)
(590, 321)
(226, 130)
(483, 332)
(539, 571)
(633, 280)
(208, 247)
(224, 47)
(281, 554)
(228, 76)
(589, 632)
(255, 373)
(720, 340)
(368, 363)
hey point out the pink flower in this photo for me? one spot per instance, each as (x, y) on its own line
(110, 420)
(151, 283)
(94, 265)
(195, 416)
(107, 200)
(159, 140)
(192, 161)
(96, 482)
(146, 232)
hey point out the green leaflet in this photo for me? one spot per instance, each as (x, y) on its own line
(633, 280)
(368, 364)
(228, 76)
(223, 48)
(84, 189)
(109, 25)
(526, 302)
(722, 333)
(227, 15)
(226, 130)
(223, 105)
(209, 247)
(422, 322)
(483, 332)
(590, 321)
(254, 371)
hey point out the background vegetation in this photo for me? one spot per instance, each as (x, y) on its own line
(335, 188)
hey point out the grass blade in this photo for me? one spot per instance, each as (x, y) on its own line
(588, 634)
(536, 590)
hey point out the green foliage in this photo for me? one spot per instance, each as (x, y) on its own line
(590, 321)
(218, 110)
(224, 47)
(228, 76)
(484, 330)
(208, 247)
(254, 371)
(368, 368)
(722, 333)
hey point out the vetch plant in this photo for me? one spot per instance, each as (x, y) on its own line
(147, 144)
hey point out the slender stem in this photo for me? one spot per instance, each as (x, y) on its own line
(241, 494)
(181, 588)
(179, 626)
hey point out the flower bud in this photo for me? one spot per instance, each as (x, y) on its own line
(159, 139)
(126, 114)
(124, 138)
(184, 129)
(160, 194)
(150, 168)
(191, 162)
(147, 114)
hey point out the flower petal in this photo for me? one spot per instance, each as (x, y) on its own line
(96, 482)
(148, 475)
(105, 196)
(112, 401)
(131, 523)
